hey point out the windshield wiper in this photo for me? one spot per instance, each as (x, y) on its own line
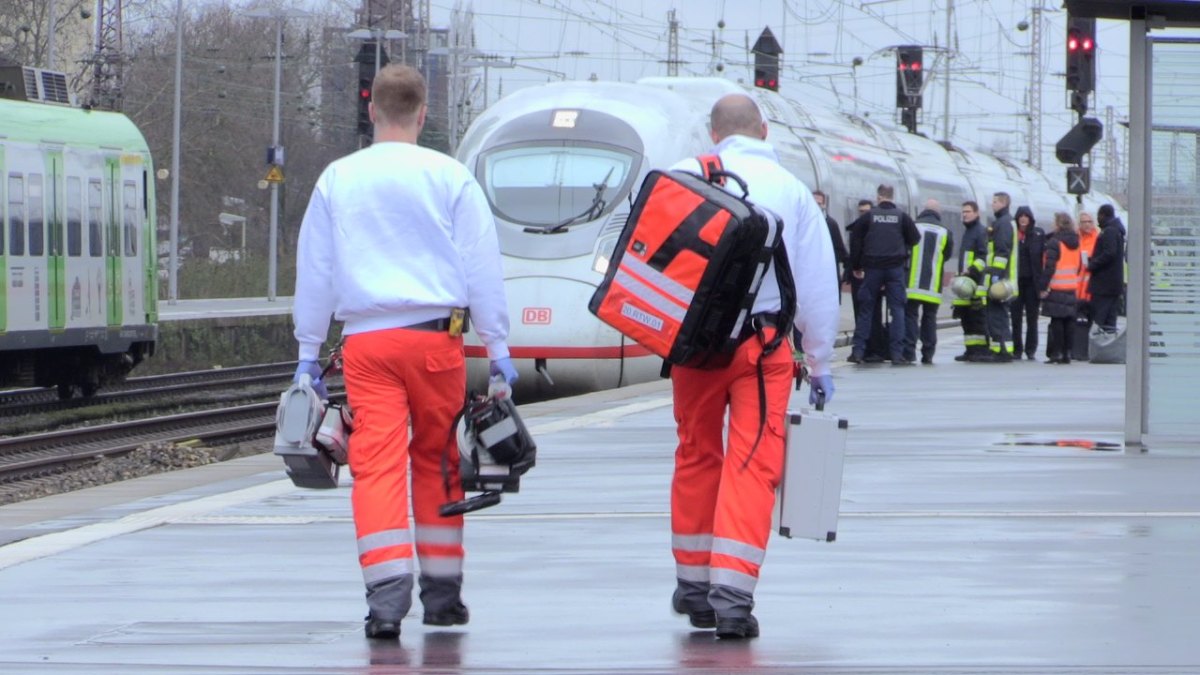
(592, 212)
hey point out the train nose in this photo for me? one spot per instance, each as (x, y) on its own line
(549, 318)
(559, 347)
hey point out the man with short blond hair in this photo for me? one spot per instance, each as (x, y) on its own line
(399, 243)
(398, 97)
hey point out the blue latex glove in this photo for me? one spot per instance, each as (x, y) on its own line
(820, 383)
(313, 369)
(504, 367)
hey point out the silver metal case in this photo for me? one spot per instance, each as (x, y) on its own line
(809, 496)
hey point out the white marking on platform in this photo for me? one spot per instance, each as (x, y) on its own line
(58, 542)
(615, 515)
(600, 417)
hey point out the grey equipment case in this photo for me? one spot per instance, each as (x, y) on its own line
(1106, 346)
(311, 436)
(810, 493)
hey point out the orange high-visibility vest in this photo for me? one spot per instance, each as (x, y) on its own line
(1067, 272)
(1087, 246)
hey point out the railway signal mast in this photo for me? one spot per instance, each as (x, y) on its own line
(1073, 148)
(108, 58)
(910, 76)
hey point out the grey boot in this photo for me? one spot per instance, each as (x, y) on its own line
(442, 598)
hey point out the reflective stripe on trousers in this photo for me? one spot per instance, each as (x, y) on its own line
(720, 504)
(383, 371)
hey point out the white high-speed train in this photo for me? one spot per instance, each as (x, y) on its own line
(560, 164)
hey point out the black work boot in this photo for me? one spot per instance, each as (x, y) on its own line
(699, 613)
(737, 628)
(382, 629)
(442, 598)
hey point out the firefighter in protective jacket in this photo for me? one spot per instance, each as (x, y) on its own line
(1001, 268)
(722, 496)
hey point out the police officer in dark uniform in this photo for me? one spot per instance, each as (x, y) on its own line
(877, 342)
(879, 251)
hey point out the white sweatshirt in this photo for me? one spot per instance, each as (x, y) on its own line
(394, 235)
(805, 236)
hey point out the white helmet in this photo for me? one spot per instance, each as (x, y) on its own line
(1001, 290)
(963, 287)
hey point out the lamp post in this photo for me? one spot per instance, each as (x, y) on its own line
(173, 258)
(280, 15)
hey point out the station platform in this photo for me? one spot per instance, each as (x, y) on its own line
(969, 542)
(223, 308)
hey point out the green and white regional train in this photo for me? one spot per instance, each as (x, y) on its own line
(78, 300)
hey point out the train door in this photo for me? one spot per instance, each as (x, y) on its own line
(149, 253)
(56, 291)
(112, 253)
(132, 283)
(3, 244)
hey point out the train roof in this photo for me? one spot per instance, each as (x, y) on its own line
(42, 123)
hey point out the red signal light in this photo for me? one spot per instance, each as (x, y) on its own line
(915, 66)
(1087, 44)
(1072, 44)
(364, 94)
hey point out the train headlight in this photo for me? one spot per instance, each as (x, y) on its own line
(606, 245)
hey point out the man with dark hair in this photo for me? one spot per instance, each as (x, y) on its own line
(925, 282)
(1001, 269)
(371, 215)
(971, 259)
(877, 341)
(879, 250)
(1107, 268)
(1031, 244)
(835, 232)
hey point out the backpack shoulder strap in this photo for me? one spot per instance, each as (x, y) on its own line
(710, 164)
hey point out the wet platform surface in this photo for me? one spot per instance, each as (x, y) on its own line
(967, 544)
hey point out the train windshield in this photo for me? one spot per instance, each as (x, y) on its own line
(556, 185)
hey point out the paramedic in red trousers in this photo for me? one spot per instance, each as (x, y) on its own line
(879, 250)
(722, 497)
(397, 240)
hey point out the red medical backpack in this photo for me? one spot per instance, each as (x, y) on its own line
(688, 266)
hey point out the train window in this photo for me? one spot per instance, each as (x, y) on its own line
(95, 207)
(74, 217)
(131, 214)
(551, 184)
(37, 216)
(16, 214)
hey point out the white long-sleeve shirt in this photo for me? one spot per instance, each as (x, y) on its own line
(394, 235)
(805, 236)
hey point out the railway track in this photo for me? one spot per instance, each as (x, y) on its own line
(41, 456)
(33, 401)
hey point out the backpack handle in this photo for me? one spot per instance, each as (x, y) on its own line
(721, 173)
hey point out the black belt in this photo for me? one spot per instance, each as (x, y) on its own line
(439, 325)
(750, 328)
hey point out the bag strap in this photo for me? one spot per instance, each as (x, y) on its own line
(712, 168)
(787, 314)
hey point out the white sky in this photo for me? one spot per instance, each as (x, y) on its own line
(989, 88)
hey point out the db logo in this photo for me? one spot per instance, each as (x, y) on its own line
(539, 316)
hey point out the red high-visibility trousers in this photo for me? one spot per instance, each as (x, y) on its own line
(395, 378)
(722, 497)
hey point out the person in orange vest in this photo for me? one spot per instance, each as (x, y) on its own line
(1088, 234)
(723, 491)
(1058, 287)
(371, 215)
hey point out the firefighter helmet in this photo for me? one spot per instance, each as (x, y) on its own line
(963, 287)
(1001, 290)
